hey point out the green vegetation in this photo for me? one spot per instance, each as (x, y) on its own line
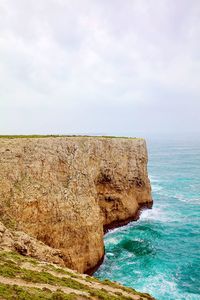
(29, 136)
(60, 271)
(15, 257)
(12, 292)
(11, 269)
(15, 266)
(103, 294)
(124, 288)
(91, 279)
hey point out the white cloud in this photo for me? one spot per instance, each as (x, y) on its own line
(78, 55)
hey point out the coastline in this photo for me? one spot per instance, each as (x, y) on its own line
(104, 180)
(118, 224)
(135, 217)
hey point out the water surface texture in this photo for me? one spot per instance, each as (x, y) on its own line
(159, 254)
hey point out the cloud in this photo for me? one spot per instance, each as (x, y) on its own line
(95, 62)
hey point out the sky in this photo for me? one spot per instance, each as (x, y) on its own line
(117, 67)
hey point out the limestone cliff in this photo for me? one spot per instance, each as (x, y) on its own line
(65, 191)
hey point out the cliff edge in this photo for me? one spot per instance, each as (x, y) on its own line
(67, 191)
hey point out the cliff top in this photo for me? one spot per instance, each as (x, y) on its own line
(67, 136)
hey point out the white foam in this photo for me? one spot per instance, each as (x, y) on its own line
(165, 286)
(156, 187)
(110, 254)
(112, 240)
(153, 178)
(192, 200)
(156, 214)
(189, 296)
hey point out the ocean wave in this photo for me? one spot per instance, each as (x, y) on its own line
(189, 296)
(154, 179)
(167, 287)
(112, 240)
(183, 198)
(159, 254)
(110, 254)
(155, 214)
(156, 187)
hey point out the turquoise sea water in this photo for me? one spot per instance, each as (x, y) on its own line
(160, 253)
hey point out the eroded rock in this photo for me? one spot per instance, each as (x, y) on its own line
(65, 191)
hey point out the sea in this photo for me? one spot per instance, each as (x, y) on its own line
(160, 253)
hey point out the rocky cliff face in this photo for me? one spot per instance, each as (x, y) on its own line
(66, 191)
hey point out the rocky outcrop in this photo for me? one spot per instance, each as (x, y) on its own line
(22, 243)
(65, 191)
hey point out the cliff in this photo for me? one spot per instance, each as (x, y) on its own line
(66, 191)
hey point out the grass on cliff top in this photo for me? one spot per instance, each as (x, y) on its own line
(124, 288)
(67, 136)
(11, 292)
(11, 270)
(11, 266)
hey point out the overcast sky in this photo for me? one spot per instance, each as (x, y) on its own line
(124, 67)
